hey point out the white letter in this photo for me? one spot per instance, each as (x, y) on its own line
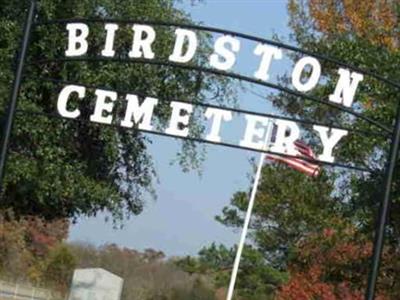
(268, 53)
(179, 119)
(142, 46)
(252, 131)
(346, 87)
(298, 70)
(74, 39)
(178, 55)
(109, 48)
(141, 113)
(103, 106)
(218, 116)
(226, 54)
(329, 142)
(284, 140)
(63, 100)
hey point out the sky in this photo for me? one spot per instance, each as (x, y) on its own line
(182, 219)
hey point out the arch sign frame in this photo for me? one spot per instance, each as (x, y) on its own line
(257, 136)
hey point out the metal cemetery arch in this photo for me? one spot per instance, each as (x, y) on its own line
(387, 132)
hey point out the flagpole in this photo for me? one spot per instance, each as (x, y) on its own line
(248, 216)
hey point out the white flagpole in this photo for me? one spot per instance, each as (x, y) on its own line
(248, 216)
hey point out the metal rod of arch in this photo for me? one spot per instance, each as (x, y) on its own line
(221, 73)
(226, 32)
(12, 105)
(384, 210)
(199, 140)
(237, 110)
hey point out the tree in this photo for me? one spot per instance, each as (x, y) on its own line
(288, 207)
(59, 268)
(57, 168)
(31, 247)
(363, 34)
(319, 231)
(330, 265)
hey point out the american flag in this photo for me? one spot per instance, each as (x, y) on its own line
(307, 167)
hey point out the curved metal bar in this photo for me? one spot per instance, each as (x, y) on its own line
(236, 110)
(216, 72)
(199, 140)
(226, 32)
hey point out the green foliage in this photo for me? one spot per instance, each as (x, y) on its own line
(288, 206)
(58, 168)
(59, 267)
(256, 277)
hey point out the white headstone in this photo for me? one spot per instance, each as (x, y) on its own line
(95, 284)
